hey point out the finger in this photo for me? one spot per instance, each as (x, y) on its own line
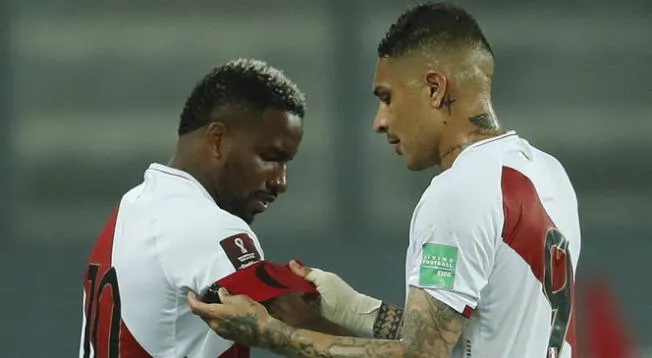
(200, 308)
(224, 294)
(299, 269)
(223, 291)
(228, 300)
(313, 275)
(193, 301)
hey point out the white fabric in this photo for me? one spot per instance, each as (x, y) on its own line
(462, 210)
(167, 242)
(341, 304)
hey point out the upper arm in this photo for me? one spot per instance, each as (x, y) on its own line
(205, 249)
(452, 244)
(431, 328)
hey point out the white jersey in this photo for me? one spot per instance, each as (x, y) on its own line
(497, 238)
(166, 237)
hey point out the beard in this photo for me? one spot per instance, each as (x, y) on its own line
(230, 197)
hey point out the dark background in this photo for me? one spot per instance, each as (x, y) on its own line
(90, 94)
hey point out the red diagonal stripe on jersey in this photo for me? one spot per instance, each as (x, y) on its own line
(525, 229)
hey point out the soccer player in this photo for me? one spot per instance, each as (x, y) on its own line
(494, 239)
(187, 225)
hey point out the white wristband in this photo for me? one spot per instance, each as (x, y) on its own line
(343, 305)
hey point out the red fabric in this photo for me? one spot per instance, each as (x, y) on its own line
(527, 235)
(606, 334)
(105, 333)
(265, 280)
(236, 351)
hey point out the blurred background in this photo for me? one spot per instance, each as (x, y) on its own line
(90, 95)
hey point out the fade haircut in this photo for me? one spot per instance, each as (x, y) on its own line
(432, 26)
(248, 83)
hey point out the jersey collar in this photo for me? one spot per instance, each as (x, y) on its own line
(492, 139)
(480, 143)
(160, 168)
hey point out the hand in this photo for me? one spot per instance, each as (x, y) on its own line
(340, 303)
(295, 309)
(237, 318)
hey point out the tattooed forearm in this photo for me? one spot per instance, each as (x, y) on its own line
(388, 322)
(483, 121)
(430, 328)
(244, 327)
(292, 342)
(323, 325)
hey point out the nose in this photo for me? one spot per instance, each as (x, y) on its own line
(278, 181)
(380, 121)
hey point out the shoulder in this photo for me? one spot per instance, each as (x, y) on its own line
(460, 195)
(207, 243)
(206, 222)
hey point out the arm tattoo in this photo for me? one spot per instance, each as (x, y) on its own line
(293, 342)
(244, 326)
(430, 328)
(388, 322)
(483, 121)
(323, 325)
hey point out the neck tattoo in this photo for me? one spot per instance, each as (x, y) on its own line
(485, 128)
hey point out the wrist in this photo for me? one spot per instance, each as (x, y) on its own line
(272, 332)
(342, 304)
(360, 315)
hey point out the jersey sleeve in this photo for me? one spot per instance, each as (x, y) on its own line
(204, 250)
(452, 243)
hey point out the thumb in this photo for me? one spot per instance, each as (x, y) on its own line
(298, 269)
(193, 301)
(196, 306)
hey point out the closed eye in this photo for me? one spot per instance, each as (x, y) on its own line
(276, 156)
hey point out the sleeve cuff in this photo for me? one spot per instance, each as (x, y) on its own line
(461, 303)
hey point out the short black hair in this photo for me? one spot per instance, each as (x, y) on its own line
(244, 82)
(431, 24)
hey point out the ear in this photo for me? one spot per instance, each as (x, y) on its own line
(215, 135)
(438, 85)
